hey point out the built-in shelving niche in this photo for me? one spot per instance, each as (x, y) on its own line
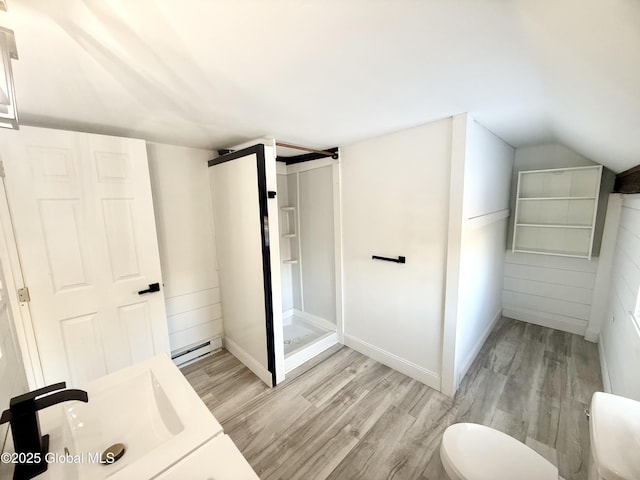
(556, 211)
(288, 221)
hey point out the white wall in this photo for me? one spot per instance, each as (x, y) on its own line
(548, 290)
(310, 284)
(317, 242)
(620, 335)
(182, 205)
(487, 175)
(395, 196)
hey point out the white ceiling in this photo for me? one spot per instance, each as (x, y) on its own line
(209, 73)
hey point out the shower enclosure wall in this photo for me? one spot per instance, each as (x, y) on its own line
(307, 203)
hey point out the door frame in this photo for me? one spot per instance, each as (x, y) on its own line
(14, 278)
(259, 151)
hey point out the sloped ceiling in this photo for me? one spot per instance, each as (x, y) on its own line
(209, 73)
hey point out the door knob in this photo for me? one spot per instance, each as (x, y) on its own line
(153, 287)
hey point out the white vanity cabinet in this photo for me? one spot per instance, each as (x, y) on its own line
(218, 459)
(556, 211)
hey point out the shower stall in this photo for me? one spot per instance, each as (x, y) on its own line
(308, 193)
(277, 231)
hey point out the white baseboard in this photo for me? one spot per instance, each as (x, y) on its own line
(315, 320)
(410, 369)
(462, 371)
(591, 335)
(550, 320)
(606, 379)
(234, 349)
(298, 357)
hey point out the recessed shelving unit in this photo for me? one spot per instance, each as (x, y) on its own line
(289, 228)
(556, 211)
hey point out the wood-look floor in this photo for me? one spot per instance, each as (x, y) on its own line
(350, 417)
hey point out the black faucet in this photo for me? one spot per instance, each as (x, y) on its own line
(25, 427)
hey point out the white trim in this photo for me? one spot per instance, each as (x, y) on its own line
(462, 369)
(234, 349)
(311, 165)
(454, 248)
(584, 167)
(301, 355)
(281, 168)
(602, 284)
(486, 219)
(315, 320)
(550, 320)
(591, 335)
(337, 248)
(606, 379)
(14, 279)
(299, 238)
(410, 369)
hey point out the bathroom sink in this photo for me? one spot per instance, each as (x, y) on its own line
(150, 408)
(615, 436)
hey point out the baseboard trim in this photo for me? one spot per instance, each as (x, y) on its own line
(606, 379)
(557, 322)
(591, 335)
(410, 369)
(476, 348)
(234, 349)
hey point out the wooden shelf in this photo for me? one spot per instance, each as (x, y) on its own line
(287, 209)
(290, 261)
(289, 235)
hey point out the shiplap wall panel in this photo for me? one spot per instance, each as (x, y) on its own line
(183, 303)
(193, 335)
(187, 248)
(554, 262)
(191, 318)
(551, 291)
(554, 276)
(548, 305)
(620, 335)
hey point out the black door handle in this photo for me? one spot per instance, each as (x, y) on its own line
(153, 287)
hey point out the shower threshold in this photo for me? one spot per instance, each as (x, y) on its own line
(303, 340)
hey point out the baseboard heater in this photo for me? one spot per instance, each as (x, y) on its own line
(191, 354)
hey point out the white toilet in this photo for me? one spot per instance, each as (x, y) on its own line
(474, 452)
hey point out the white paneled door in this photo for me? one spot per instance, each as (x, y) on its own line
(82, 213)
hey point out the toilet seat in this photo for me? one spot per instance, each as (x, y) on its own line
(474, 452)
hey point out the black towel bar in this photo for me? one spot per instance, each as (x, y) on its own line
(400, 259)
